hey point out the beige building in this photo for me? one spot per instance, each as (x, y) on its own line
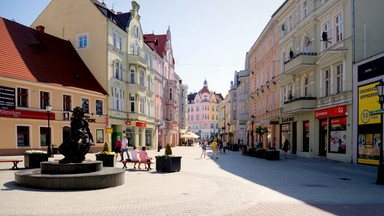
(41, 70)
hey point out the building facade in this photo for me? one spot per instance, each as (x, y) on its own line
(203, 112)
(39, 71)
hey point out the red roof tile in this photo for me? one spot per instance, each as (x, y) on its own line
(31, 55)
(161, 40)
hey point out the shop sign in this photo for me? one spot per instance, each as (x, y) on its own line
(368, 102)
(128, 123)
(242, 127)
(109, 130)
(288, 119)
(324, 123)
(334, 111)
(141, 124)
(338, 121)
(107, 121)
(306, 124)
(26, 114)
(7, 98)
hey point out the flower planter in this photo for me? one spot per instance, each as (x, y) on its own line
(260, 153)
(235, 147)
(108, 160)
(33, 160)
(272, 155)
(168, 164)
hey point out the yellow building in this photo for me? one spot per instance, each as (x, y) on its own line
(39, 70)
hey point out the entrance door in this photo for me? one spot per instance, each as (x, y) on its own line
(323, 142)
(294, 138)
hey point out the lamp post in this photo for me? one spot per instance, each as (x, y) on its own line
(49, 108)
(380, 170)
(252, 122)
(158, 136)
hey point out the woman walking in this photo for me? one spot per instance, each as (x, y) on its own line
(285, 148)
(203, 148)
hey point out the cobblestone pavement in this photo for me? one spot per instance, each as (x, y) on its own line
(231, 185)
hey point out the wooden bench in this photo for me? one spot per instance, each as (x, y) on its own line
(15, 162)
(126, 161)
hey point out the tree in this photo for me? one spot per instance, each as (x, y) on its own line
(261, 130)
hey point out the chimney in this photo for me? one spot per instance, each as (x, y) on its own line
(119, 12)
(40, 28)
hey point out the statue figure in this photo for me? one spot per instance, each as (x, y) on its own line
(77, 145)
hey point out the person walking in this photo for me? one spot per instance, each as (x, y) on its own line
(224, 146)
(124, 148)
(221, 146)
(286, 147)
(242, 147)
(203, 148)
(214, 149)
(118, 147)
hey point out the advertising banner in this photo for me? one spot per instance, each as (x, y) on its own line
(368, 101)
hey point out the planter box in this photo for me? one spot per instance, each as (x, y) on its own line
(235, 147)
(272, 155)
(33, 160)
(260, 153)
(168, 164)
(108, 160)
(252, 152)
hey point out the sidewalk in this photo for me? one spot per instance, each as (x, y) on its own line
(231, 185)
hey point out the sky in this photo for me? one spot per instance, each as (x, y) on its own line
(210, 38)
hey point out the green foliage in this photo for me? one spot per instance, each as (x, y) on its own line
(231, 134)
(106, 147)
(168, 149)
(261, 130)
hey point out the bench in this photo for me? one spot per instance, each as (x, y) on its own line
(128, 161)
(15, 162)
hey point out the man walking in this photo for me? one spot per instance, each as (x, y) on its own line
(124, 147)
(214, 149)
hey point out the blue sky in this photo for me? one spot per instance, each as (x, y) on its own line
(210, 37)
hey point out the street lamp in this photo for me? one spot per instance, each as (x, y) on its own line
(49, 108)
(380, 170)
(252, 122)
(158, 136)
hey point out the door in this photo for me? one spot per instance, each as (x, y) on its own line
(294, 138)
(323, 142)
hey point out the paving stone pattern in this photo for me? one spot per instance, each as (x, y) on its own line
(231, 185)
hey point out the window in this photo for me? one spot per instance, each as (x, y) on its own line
(339, 28)
(213, 117)
(142, 105)
(197, 117)
(305, 90)
(99, 107)
(85, 105)
(82, 40)
(217, 117)
(117, 70)
(213, 108)
(171, 95)
(99, 136)
(149, 84)
(120, 43)
(44, 131)
(327, 83)
(132, 76)
(114, 39)
(44, 99)
(191, 118)
(67, 102)
(171, 115)
(306, 136)
(305, 9)
(22, 136)
(327, 29)
(290, 21)
(142, 78)
(197, 108)
(22, 97)
(339, 78)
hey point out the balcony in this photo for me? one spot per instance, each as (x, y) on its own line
(244, 73)
(243, 97)
(133, 59)
(171, 82)
(244, 117)
(300, 62)
(300, 104)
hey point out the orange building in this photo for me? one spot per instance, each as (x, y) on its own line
(263, 65)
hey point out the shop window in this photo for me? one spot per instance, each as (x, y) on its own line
(130, 133)
(22, 136)
(338, 135)
(44, 131)
(306, 136)
(67, 102)
(99, 135)
(148, 137)
(285, 130)
(44, 99)
(22, 97)
(99, 107)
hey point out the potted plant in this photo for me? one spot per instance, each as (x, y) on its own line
(168, 162)
(106, 156)
(272, 154)
(32, 158)
(260, 153)
(261, 130)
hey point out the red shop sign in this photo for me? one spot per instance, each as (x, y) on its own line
(306, 124)
(335, 111)
(26, 114)
(141, 124)
(128, 123)
(338, 121)
(324, 123)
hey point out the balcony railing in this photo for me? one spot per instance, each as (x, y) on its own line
(299, 62)
(300, 103)
(133, 59)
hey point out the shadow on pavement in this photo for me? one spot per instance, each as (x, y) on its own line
(322, 183)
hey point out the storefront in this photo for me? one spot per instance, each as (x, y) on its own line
(288, 133)
(140, 134)
(332, 130)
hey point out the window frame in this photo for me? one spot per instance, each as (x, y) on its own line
(80, 40)
(30, 135)
(40, 99)
(64, 102)
(27, 96)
